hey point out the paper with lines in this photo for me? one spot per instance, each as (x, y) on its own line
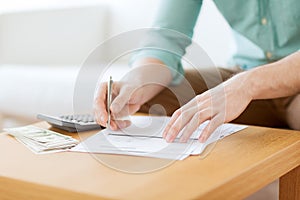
(144, 138)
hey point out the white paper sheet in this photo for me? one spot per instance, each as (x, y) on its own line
(144, 138)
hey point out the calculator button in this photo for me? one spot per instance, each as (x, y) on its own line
(85, 120)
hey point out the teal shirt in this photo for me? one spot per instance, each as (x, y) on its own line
(264, 31)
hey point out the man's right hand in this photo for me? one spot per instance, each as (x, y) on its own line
(126, 101)
(147, 79)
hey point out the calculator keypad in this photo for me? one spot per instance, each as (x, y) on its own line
(79, 118)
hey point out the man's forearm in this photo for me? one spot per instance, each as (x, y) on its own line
(278, 79)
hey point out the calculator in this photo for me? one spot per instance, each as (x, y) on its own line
(72, 123)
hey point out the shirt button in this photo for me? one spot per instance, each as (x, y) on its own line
(264, 21)
(269, 55)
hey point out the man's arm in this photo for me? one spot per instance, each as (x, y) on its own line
(279, 79)
(228, 100)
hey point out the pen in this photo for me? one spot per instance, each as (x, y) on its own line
(109, 98)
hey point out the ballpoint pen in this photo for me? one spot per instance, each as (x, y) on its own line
(109, 98)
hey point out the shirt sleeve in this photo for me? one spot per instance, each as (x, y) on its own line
(171, 34)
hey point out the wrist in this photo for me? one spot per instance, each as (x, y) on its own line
(246, 82)
(150, 70)
(253, 85)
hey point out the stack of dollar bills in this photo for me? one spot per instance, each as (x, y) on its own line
(41, 140)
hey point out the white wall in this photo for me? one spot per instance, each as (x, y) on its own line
(52, 37)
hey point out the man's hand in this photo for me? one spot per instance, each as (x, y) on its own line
(137, 87)
(127, 100)
(219, 105)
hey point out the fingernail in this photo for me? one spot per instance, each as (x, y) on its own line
(113, 127)
(168, 138)
(201, 139)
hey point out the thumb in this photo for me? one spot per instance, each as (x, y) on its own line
(121, 100)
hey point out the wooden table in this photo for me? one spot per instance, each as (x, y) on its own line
(238, 166)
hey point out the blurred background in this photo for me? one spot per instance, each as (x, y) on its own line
(44, 42)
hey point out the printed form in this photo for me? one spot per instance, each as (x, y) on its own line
(144, 138)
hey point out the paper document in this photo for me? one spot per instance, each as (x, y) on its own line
(144, 138)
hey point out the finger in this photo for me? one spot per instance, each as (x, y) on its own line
(195, 122)
(119, 124)
(193, 105)
(180, 123)
(101, 90)
(123, 123)
(100, 118)
(121, 100)
(127, 110)
(100, 111)
(113, 125)
(209, 129)
(174, 117)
